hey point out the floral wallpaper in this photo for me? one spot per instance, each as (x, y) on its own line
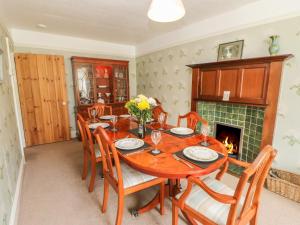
(69, 75)
(10, 151)
(164, 75)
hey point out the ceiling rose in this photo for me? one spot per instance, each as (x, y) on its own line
(166, 10)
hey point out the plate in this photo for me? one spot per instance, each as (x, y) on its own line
(181, 131)
(129, 143)
(125, 116)
(95, 125)
(199, 153)
(107, 117)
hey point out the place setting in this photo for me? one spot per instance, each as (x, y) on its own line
(199, 155)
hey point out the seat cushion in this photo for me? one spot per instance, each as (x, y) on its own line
(200, 201)
(132, 177)
(97, 151)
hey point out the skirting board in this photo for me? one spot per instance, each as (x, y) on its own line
(16, 203)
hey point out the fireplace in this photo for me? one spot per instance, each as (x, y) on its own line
(231, 137)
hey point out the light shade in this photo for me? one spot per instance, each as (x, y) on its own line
(166, 10)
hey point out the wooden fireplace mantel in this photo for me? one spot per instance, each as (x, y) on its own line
(252, 81)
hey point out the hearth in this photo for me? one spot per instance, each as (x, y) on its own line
(231, 137)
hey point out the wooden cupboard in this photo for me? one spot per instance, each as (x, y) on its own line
(43, 98)
(100, 80)
(253, 81)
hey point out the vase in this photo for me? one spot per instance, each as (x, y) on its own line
(142, 129)
(274, 45)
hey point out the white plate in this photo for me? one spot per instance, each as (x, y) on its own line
(125, 116)
(181, 130)
(107, 117)
(95, 125)
(201, 154)
(129, 143)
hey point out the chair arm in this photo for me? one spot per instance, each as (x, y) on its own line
(226, 199)
(238, 162)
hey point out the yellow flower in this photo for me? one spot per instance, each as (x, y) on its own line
(144, 104)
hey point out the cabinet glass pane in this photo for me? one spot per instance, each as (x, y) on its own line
(85, 84)
(120, 74)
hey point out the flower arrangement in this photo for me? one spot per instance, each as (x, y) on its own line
(141, 107)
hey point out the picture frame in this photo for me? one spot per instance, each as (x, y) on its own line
(230, 50)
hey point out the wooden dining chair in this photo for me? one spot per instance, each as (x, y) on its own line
(156, 111)
(124, 179)
(209, 201)
(91, 151)
(193, 119)
(100, 108)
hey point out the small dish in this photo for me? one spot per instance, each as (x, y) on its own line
(200, 154)
(181, 131)
(129, 143)
(95, 125)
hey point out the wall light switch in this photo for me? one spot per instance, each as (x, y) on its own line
(226, 95)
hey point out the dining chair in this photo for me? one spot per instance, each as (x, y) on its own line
(193, 119)
(90, 151)
(100, 108)
(124, 179)
(156, 111)
(210, 201)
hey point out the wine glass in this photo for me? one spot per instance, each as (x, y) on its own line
(155, 137)
(94, 114)
(114, 120)
(205, 129)
(161, 120)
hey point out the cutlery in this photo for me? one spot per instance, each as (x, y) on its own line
(143, 150)
(183, 161)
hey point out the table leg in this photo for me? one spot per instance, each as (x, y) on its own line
(172, 188)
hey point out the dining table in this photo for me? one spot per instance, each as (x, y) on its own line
(169, 163)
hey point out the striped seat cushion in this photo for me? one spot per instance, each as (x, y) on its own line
(200, 201)
(97, 151)
(132, 177)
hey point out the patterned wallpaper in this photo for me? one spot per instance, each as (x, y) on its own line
(163, 74)
(10, 152)
(69, 75)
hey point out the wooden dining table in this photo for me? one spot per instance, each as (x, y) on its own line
(165, 164)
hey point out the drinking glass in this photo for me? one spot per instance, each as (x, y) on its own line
(161, 120)
(114, 120)
(205, 129)
(94, 114)
(155, 137)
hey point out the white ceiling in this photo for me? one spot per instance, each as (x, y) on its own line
(119, 21)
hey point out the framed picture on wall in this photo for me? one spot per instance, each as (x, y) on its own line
(231, 50)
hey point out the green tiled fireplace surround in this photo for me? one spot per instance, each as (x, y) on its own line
(249, 118)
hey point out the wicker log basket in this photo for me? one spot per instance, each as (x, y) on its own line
(284, 183)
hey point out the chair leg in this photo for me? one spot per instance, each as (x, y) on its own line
(120, 209)
(174, 213)
(253, 221)
(85, 165)
(105, 195)
(162, 198)
(93, 175)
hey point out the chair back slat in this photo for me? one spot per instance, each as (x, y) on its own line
(80, 122)
(255, 175)
(100, 109)
(110, 155)
(157, 111)
(193, 118)
(86, 135)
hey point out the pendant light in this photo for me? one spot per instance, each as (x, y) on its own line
(166, 10)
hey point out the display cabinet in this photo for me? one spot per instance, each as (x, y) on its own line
(100, 81)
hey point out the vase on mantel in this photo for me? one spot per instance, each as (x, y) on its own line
(274, 45)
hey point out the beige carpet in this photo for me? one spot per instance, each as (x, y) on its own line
(54, 194)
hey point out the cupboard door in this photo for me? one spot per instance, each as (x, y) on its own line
(208, 81)
(253, 83)
(43, 99)
(228, 81)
